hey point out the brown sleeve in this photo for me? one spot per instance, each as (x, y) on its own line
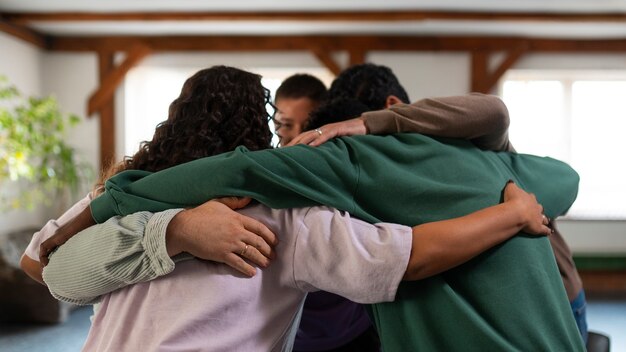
(483, 119)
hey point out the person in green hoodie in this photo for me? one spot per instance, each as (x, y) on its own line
(387, 108)
(508, 298)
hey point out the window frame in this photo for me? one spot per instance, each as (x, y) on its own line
(568, 78)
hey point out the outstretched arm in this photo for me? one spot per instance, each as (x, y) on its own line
(132, 249)
(227, 228)
(116, 253)
(483, 119)
(441, 245)
(30, 259)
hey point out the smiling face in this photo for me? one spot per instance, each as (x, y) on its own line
(291, 116)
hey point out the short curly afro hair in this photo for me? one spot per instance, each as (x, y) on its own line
(368, 83)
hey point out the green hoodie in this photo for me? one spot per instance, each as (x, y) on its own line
(510, 298)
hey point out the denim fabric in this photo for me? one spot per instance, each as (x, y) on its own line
(579, 308)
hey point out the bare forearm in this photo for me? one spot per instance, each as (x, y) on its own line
(442, 245)
(81, 222)
(32, 268)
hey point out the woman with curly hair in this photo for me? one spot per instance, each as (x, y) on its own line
(219, 108)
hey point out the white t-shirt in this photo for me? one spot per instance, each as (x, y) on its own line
(207, 306)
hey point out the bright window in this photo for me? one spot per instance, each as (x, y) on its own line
(580, 118)
(150, 90)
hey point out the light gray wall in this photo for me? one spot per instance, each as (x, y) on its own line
(20, 63)
(72, 77)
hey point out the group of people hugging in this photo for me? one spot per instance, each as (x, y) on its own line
(378, 224)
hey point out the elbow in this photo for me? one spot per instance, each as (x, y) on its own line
(57, 291)
(420, 267)
(415, 272)
(499, 114)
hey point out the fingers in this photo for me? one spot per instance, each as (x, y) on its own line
(249, 253)
(537, 222)
(256, 255)
(299, 139)
(238, 263)
(321, 137)
(48, 246)
(545, 231)
(545, 220)
(234, 202)
(259, 244)
(258, 228)
(541, 225)
(43, 255)
(306, 138)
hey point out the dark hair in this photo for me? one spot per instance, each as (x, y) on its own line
(219, 108)
(302, 85)
(335, 110)
(368, 83)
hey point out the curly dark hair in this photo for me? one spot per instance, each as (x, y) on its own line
(219, 108)
(368, 83)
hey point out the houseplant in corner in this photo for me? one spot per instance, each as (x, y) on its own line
(37, 167)
(36, 163)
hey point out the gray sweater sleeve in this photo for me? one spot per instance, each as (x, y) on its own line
(109, 256)
(483, 119)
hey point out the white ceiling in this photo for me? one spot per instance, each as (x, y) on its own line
(613, 29)
(319, 5)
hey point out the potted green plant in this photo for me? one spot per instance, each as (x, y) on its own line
(36, 163)
(37, 167)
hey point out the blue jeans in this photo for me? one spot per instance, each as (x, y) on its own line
(579, 308)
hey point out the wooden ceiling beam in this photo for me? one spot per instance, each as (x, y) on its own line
(114, 77)
(484, 81)
(334, 43)
(343, 16)
(24, 33)
(511, 58)
(326, 58)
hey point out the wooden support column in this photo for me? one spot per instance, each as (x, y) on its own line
(482, 80)
(357, 56)
(480, 61)
(103, 100)
(107, 113)
(114, 77)
(327, 60)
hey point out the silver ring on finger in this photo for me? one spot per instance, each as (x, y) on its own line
(243, 251)
(319, 131)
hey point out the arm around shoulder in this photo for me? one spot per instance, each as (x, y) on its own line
(109, 256)
(483, 119)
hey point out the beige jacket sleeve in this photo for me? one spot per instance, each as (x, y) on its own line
(483, 119)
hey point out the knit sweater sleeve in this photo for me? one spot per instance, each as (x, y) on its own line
(483, 119)
(109, 256)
